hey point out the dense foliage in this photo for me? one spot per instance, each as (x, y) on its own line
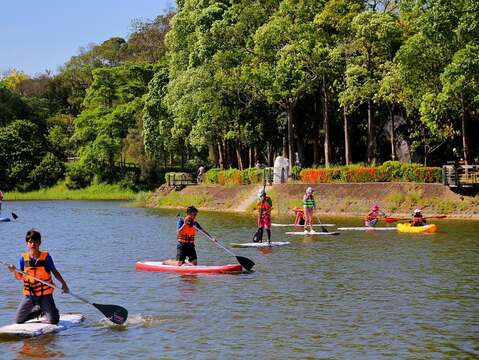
(227, 84)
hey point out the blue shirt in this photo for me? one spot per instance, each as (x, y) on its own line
(49, 265)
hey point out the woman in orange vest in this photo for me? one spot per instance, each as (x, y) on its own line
(39, 264)
(264, 205)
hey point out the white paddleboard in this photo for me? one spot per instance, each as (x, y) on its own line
(311, 233)
(289, 225)
(37, 327)
(260, 245)
(365, 228)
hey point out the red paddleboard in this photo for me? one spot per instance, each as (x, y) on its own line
(186, 269)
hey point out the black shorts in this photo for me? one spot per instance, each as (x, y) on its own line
(186, 251)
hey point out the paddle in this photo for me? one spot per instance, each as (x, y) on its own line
(244, 262)
(323, 229)
(391, 219)
(114, 313)
(14, 216)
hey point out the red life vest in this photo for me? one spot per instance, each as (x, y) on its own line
(417, 221)
(186, 235)
(265, 206)
(32, 287)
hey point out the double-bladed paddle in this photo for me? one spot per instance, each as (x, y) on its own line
(244, 262)
(391, 219)
(114, 313)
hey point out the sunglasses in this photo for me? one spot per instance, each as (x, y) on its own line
(31, 241)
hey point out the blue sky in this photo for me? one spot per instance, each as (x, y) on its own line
(38, 35)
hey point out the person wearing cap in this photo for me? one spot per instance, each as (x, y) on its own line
(309, 204)
(265, 204)
(417, 218)
(38, 297)
(373, 216)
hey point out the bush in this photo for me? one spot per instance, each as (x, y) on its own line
(211, 176)
(78, 176)
(48, 172)
(252, 176)
(230, 177)
(296, 172)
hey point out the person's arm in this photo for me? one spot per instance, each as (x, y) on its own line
(13, 269)
(50, 266)
(180, 225)
(59, 277)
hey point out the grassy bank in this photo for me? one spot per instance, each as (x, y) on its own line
(60, 192)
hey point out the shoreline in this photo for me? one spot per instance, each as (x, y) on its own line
(335, 200)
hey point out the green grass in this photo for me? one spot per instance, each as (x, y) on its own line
(178, 199)
(60, 192)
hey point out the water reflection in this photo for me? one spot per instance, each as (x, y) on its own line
(39, 348)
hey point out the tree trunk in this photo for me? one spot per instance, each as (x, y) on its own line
(371, 137)
(347, 144)
(465, 142)
(290, 137)
(238, 156)
(326, 127)
(250, 156)
(315, 150)
(393, 141)
(220, 156)
(285, 145)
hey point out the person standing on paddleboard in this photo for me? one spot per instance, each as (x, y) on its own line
(39, 264)
(309, 206)
(1, 199)
(372, 217)
(265, 204)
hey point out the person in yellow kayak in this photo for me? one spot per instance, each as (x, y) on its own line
(38, 297)
(265, 204)
(309, 205)
(417, 218)
(373, 216)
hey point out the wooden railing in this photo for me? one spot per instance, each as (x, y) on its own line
(180, 179)
(460, 175)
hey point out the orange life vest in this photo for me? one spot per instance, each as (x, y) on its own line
(370, 216)
(32, 287)
(264, 206)
(186, 235)
(417, 221)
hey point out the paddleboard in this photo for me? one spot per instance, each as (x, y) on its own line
(260, 245)
(37, 327)
(187, 269)
(311, 233)
(365, 228)
(289, 225)
(4, 219)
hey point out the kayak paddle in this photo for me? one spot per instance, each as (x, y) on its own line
(391, 219)
(244, 262)
(14, 216)
(114, 313)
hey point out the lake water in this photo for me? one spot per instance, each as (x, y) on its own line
(352, 296)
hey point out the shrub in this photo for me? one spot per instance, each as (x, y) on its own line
(211, 176)
(252, 176)
(316, 176)
(48, 172)
(230, 177)
(296, 172)
(78, 176)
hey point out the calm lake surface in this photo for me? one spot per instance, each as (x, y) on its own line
(352, 296)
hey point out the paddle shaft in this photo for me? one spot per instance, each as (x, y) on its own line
(216, 242)
(48, 284)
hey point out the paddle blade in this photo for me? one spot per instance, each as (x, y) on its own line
(245, 262)
(14, 216)
(114, 313)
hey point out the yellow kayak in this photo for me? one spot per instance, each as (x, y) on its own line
(407, 228)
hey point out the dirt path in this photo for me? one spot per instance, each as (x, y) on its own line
(251, 198)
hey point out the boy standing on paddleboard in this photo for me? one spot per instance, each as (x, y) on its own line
(264, 205)
(39, 264)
